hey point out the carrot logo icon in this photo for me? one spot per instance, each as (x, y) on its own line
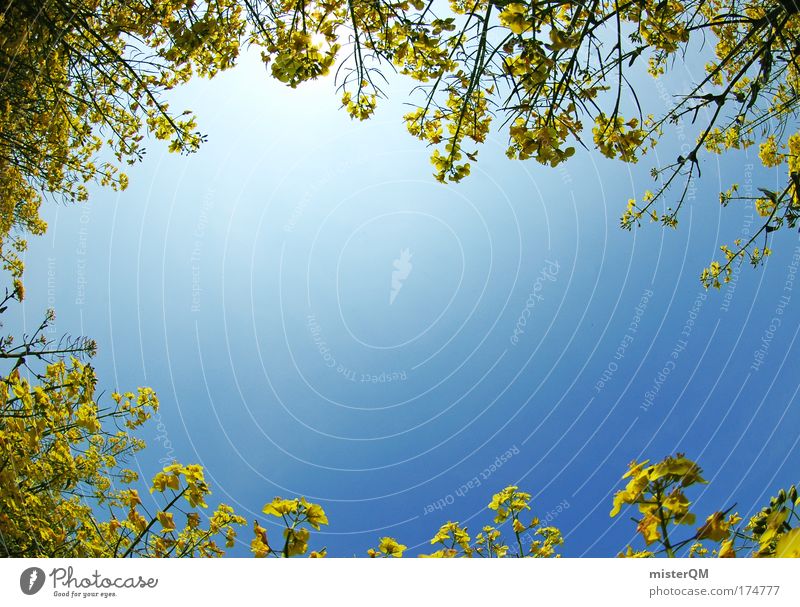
(31, 580)
(402, 269)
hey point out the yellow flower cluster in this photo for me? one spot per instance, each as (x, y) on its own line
(508, 505)
(67, 451)
(41, 433)
(658, 490)
(771, 528)
(515, 17)
(295, 516)
(387, 547)
(618, 137)
(299, 59)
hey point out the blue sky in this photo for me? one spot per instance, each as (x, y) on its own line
(251, 286)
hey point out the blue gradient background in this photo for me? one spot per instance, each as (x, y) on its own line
(200, 280)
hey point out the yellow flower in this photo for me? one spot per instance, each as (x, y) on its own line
(794, 152)
(87, 418)
(716, 528)
(278, 507)
(161, 481)
(768, 152)
(726, 551)
(130, 498)
(630, 554)
(789, 545)
(166, 520)
(193, 473)
(315, 514)
(507, 501)
(632, 491)
(678, 504)
(296, 541)
(390, 547)
(259, 546)
(648, 527)
(139, 522)
(514, 17)
(230, 537)
(447, 553)
(681, 468)
(774, 522)
(697, 550)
